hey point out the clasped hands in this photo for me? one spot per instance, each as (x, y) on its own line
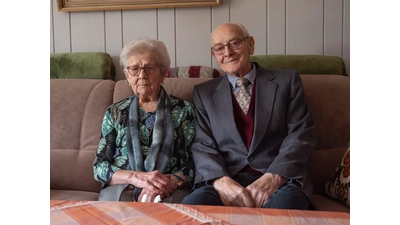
(156, 186)
(254, 195)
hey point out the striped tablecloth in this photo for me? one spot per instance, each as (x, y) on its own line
(97, 213)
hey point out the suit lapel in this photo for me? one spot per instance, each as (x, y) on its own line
(264, 102)
(224, 105)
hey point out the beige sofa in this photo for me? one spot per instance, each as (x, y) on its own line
(78, 105)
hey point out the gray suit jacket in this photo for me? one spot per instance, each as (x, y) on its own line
(284, 130)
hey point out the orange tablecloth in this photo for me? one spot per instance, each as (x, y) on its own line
(95, 212)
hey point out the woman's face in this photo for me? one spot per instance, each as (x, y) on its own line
(145, 84)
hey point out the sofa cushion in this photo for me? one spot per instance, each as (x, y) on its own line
(324, 203)
(77, 108)
(304, 64)
(329, 100)
(82, 65)
(193, 72)
(339, 186)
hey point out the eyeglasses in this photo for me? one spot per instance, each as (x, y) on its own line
(234, 44)
(148, 69)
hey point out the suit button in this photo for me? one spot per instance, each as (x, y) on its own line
(250, 158)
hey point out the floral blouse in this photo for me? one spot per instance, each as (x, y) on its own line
(112, 153)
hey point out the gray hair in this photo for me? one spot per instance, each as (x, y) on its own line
(245, 33)
(144, 45)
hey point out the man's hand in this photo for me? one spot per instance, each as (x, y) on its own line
(264, 187)
(232, 193)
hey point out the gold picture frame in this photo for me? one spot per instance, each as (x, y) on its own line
(95, 5)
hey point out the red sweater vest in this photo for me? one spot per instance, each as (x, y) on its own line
(245, 124)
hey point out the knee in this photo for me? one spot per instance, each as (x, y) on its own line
(203, 196)
(292, 198)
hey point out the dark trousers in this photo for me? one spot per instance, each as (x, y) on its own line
(286, 197)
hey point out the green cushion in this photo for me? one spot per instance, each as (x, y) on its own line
(304, 64)
(85, 65)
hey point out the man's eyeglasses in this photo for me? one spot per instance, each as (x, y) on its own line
(234, 44)
(148, 69)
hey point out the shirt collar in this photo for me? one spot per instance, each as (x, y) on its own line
(251, 76)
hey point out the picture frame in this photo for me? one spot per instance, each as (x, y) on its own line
(96, 5)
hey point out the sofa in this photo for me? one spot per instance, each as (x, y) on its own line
(77, 107)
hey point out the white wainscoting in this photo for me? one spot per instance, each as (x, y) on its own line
(278, 27)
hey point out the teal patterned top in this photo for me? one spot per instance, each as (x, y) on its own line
(112, 153)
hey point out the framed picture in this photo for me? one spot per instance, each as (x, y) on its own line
(93, 5)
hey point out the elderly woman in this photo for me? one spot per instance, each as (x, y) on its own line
(144, 152)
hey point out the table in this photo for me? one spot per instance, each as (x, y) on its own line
(96, 212)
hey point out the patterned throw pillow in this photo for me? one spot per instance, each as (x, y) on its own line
(339, 186)
(193, 72)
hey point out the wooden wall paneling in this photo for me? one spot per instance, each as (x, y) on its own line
(113, 39)
(166, 31)
(87, 31)
(219, 15)
(51, 28)
(304, 27)
(138, 23)
(61, 30)
(333, 20)
(279, 27)
(346, 35)
(276, 27)
(192, 47)
(255, 21)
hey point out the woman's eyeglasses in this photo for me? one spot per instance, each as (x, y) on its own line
(148, 69)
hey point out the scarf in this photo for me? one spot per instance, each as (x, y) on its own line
(163, 137)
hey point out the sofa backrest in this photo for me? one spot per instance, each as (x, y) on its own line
(328, 97)
(77, 107)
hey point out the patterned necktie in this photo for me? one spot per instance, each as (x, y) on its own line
(243, 96)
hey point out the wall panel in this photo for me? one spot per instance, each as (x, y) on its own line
(87, 31)
(279, 27)
(304, 27)
(113, 39)
(192, 47)
(166, 31)
(51, 28)
(276, 24)
(138, 23)
(333, 27)
(61, 30)
(346, 34)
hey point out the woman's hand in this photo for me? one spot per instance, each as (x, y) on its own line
(153, 184)
(149, 196)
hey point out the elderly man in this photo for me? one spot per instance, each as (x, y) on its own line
(254, 132)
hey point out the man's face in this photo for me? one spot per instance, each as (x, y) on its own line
(235, 62)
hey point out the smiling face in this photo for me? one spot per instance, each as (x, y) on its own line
(145, 86)
(234, 62)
